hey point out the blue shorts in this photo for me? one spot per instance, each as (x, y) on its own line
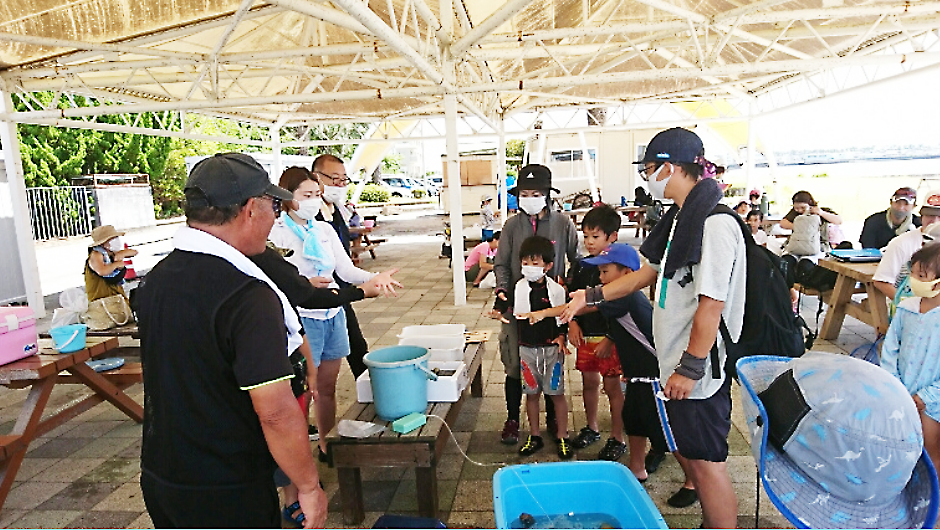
(329, 340)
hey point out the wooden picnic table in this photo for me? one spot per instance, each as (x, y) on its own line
(41, 373)
(129, 330)
(362, 242)
(420, 448)
(853, 278)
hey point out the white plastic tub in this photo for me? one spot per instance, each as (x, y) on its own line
(434, 342)
(445, 389)
(433, 330)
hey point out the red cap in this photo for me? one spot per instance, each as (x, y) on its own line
(905, 194)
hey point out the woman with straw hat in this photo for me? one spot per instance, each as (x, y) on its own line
(104, 268)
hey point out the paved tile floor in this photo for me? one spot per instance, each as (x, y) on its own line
(86, 473)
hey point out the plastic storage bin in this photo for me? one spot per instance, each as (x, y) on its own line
(580, 487)
(18, 338)
(445, 389)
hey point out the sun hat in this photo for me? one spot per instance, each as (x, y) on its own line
(673, 145)
(229, 179)
(838, 442)
(102, 234)
(534, 177)
(931, 203)
(754, 193)
(905, 194)
(620, 253)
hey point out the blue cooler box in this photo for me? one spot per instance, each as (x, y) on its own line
(579, 487)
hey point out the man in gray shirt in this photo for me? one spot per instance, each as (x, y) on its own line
(698, 264)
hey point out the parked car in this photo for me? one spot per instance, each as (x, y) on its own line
(397, 186)
(429, 189)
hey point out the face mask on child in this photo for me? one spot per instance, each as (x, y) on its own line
(532, 273)
(924, 289)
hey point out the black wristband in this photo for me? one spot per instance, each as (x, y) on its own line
(594, 295)
(691, 366)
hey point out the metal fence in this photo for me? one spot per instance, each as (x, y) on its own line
(64, 211)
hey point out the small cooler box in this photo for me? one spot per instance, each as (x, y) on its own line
(18, 338)
(447, 388)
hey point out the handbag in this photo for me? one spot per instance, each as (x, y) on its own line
(107, 313)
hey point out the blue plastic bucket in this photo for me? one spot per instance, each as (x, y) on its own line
(556, 489)
(68, 339)
(399, 377)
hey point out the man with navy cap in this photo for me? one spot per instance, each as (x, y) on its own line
(215, 336)
(697, 261)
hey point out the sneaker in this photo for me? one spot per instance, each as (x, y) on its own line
(552, 427)
(313, 433)
(510, 435)
(586, 437)
(683, 498)
(565, 450)
(653, 460)
(532, 444)
(612, 450)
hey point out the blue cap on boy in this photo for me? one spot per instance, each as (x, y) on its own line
(620, 253)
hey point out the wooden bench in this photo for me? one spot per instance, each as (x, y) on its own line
(420, 449)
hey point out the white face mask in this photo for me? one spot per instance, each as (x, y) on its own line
(116, 244)
(532, 273)
(658, 187)
(924, 289)
(334, 194)
(532, 205)
(309, 208)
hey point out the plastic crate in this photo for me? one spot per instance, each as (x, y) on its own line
(579, 487)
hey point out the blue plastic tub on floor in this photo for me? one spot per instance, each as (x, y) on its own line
(579, 487)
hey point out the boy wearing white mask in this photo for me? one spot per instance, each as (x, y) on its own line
(911, 351)
(534, 218)
(541, 345)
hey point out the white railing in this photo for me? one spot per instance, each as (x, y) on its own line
(63, 211)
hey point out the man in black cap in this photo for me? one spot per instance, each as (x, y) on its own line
(534, 218)
(881, 227)
(215, 337)
(697, 261)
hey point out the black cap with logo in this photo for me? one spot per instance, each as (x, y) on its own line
(229, 179)
(534, 177)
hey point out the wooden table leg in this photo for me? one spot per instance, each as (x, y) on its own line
(476, 384)
(350, 493)
(835, 315)
(427, 491)
(108, 391)
(26, 425)
(878, 305)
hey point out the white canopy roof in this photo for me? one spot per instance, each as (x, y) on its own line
(292, 61)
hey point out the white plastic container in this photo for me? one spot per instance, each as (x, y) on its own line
(445, 389)
(434, 342)
(433, 330)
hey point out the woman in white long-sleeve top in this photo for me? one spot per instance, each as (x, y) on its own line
(318, 254)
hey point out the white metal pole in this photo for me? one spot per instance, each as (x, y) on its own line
(589, 168)
(24, 234)
(749, 163)
(456, 206)
(501, 171)
(276, 167)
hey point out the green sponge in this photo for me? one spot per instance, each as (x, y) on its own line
(408, 423)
